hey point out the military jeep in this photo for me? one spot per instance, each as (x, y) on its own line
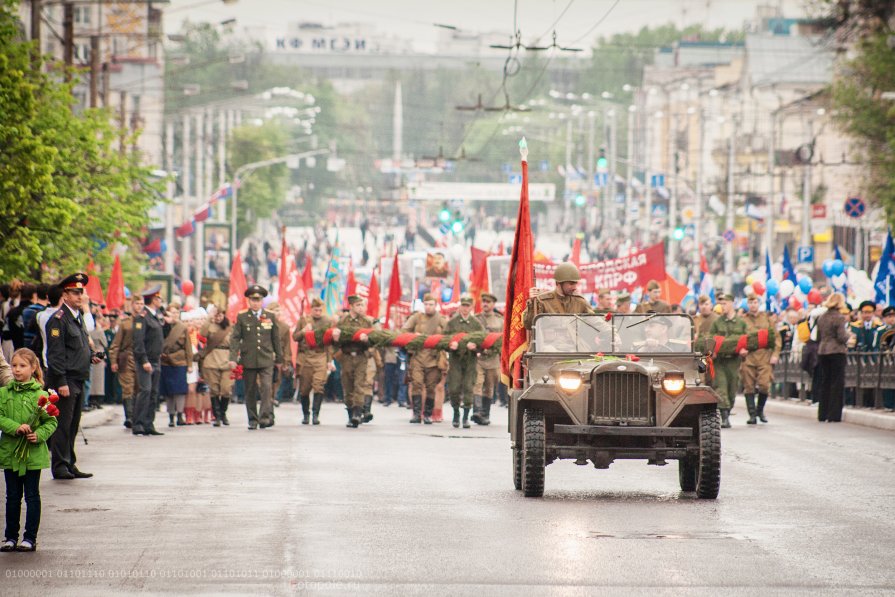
(599, 388)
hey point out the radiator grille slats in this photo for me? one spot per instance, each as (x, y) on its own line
(621, 397)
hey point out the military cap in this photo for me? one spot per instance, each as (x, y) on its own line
(316, 302)
(623, 296)
(890, 310)
(704, 298)
(487, 296)
(663, 321)
(870, 304)
(466, 300)
(151, 291)
(428, 297)
(255, 292)
(354, 299)
(652, 285)
(725, 296)
(74, 282)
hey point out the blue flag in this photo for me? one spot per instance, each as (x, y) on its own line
(885, 276)
(332, 290)
(769, 301)
(789, 272)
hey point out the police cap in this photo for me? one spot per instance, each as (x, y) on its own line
(255, 292)
(150, 292)
(890, 310)
(75, 282)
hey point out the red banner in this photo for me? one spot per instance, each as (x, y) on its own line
(632, 271)
(394, 292)
(115, 291)
(236, 300)
(373, 297)
(292, 293)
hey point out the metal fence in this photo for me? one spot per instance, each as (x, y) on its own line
(866, 373)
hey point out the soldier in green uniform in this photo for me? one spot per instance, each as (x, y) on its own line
(488, 363)
(561, 299)
(757, 370)
(121, 357)
(314, 364)
(461, 371)
(255, 344)
(426, 365)
(353, 356)
(651, 301)
(727, 369)
(705, 318)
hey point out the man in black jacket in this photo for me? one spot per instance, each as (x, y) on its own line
(148, 340)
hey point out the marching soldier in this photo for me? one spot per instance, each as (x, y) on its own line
(255, 344)
(427, 364)
(561, 299)
(121, 357)
(148, 341)
(604, 302)
(374, 366)
(353, 356)
(314, 363)
(727, 368)
(461, 371)
(651, 300)
(68, 365)
(757, 369)
(623, 302)
(705, 318)
(214, 363)
(488, 362)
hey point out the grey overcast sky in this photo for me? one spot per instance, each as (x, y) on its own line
(413, 18)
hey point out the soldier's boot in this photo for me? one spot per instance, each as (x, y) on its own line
(466, 424)
(128, 404)
(477, 402)
(171, 420)
(180, 421)
(224, 402)
(357, 414)
(486, 411)
(762, 400)
(750, 406)
(216, 410)
(427, 413)
(725, 418)
(368, 409)
(456, 421)
(417, 406)
(305, 410)
(315, 412)
(348, 411)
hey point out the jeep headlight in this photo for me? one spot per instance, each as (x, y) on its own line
(673, 383)
(569, 382)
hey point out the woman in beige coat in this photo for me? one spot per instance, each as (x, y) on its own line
(832, 338)
(177, 356)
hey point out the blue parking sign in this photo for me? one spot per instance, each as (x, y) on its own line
(805, 254)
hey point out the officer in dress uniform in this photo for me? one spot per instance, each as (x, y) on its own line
(462, 372)
(314, 364)
(255, 344)
(68, 365)
(353, 356)
(149, 336)
(488, 363)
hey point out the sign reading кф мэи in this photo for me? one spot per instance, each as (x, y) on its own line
(322, 44)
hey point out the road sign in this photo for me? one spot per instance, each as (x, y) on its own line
(819, 211)
(659, 210)
(544, 165)
(805, 254)
(506, 168)
(729, 235)
(444, 228)
(657, 181)
(514, 179)
(854, 207)
(600, 179)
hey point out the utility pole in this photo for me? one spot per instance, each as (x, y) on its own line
(94, 70)
(568, 166)
(806, 192)
(185, 252)
(769, 220)
(729, 252)
(671, 174)
(169, 207)
(590, 161)
(700, 200)
(648, 189)
(68, 38)
(629, 178)
(200, 199)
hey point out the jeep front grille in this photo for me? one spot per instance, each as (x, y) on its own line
(621, 397)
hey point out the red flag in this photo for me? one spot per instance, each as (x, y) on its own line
(394, 291)
(479, 277)
(115, 292)
(350, 283)
(93, 290)
(455, 289)
(291, 291)
(307, 276)
(673, 292)
(373, 298)
(185, 229)
(236, 300)
(501, 250)
(284, 268)
(520, 280)
(576, 252)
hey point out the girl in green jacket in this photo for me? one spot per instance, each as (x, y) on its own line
(18, 403)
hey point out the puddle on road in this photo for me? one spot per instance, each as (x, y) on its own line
(698, 536)
(460, 436)
(67, 510)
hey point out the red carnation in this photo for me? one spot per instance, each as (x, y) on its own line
(42, 401)
(52, 410)
(54, 398)
(608, 316)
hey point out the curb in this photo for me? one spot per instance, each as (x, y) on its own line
(854, 416)
(99, 417)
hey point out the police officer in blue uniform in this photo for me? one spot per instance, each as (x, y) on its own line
(148, 340)
(68, 366)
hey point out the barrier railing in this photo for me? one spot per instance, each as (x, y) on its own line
(865, 373)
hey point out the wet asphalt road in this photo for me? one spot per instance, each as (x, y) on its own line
(399, 509)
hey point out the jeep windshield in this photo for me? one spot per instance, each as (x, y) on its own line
(628, 334)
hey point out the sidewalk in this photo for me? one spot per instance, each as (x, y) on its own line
(100, 416)
(878, 419)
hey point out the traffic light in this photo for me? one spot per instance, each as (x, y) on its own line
(457, 225)
(602, 162)
(444, 216)
(579, 200)
(678, 233)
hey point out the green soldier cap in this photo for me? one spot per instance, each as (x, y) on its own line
(256, 292)
(316, 302)
(354, 299)
(652, 285)
(566, 272)
(428, 297)
(487, 296)
(466, 300)
(725, 296)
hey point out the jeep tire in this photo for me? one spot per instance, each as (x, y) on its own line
(533, 452)
(708, 465)
(517, 468)
(686, 473)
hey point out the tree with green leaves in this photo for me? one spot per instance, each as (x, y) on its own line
(67, 190)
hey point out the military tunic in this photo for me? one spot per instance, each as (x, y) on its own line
(426, 365)
(756, 370)
(462, 368)
(214, 359)
(703, 324)
(148, 341)
(353, 356)
(488, 365)
(312, 362)
(255, 344)
(554, 302)
(68, 364)
(121, 352)
(659, 306)
(727, 377)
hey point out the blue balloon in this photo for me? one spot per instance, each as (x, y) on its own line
(838, 267)
(446, 294)
(827, 268)
(805, 285)
(744, 305)
(164, 246)
(773, 287)
(127, 292)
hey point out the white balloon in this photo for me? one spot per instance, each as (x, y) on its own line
(748, 290)
(786, 288)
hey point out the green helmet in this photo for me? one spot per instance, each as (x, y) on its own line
(566, 272)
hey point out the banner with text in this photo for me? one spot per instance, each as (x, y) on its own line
(631, 271)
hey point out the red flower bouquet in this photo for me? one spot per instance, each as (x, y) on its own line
(46, 404)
